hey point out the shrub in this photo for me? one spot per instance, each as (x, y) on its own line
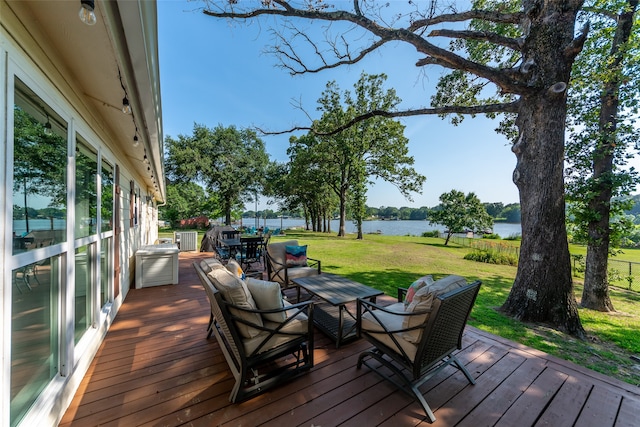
(513, 237)
(493, 236)
(432, 233)
(491, 257)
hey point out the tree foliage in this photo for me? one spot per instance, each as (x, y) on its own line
(306, 183)
(371, 148)
(40, 159)
(188, 200)
(459, 212)
(231, 163)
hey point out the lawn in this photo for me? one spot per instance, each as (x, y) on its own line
(388, 262)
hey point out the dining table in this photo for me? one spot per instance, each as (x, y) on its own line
(235, 244)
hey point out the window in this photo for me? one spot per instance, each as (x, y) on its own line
(106, 270)
(39, 173)
(83, 300)
(86, 199)
(34, 332)
(39, 221)
(106, 204)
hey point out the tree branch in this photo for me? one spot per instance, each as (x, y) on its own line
(478, 35)
(487, 15)
(575, 47)
(303, 69)
(444, 57)
(508, 107)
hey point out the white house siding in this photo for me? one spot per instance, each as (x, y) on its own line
(67, 275)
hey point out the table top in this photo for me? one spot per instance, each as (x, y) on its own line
(335, 289)
(230, 242)
(236, 243)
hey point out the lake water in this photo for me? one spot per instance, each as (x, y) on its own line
(20, 225)
(394, 228)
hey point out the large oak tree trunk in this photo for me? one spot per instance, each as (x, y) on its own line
(543, 290)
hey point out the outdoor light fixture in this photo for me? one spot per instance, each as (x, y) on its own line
(126, 108)
(47, 127)
(86, 13)
(135, 141)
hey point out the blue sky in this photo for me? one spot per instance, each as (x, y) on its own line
(216, 72)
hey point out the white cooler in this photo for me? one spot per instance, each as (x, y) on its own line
(157, 265)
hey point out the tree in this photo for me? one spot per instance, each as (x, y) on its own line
(389, 212)
(375, 147)
(603, 109)
(187, 200)
(458, 212)
(512, 213)
(525, 53)
(419, 214)
(231, 163)
(306, 183)
(494, 209)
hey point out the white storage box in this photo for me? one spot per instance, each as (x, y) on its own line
(157, 265)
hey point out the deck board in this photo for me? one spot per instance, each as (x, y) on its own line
(156, 368)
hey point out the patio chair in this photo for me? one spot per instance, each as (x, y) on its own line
(250, 252)
(263, 347)
(230, 234)
(415, 345)
(288, 260)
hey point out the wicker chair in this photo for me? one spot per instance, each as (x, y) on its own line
(279, 271)
(263, 360)
(415, 354)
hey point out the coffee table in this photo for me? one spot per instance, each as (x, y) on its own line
(332, 316)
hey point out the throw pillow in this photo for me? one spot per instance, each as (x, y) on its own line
(415, 286)
(423, 301)
(296, 256)
(235, 269)
(267, 296)
(209, 264)
(235, 291)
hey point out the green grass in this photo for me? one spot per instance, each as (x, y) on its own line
(388, 262)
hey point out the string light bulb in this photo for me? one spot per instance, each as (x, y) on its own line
(47, 127)
(136, 142)
(126, 107)
(86, 12)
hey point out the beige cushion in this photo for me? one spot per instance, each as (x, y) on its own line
(235, 291)
(293, 311)
(423, 299)
(209, 264)
(393, 322)
(235, 268)
(267, 296)
(297, 325)
(278, 251)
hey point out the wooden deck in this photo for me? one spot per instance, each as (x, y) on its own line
(157, 368)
